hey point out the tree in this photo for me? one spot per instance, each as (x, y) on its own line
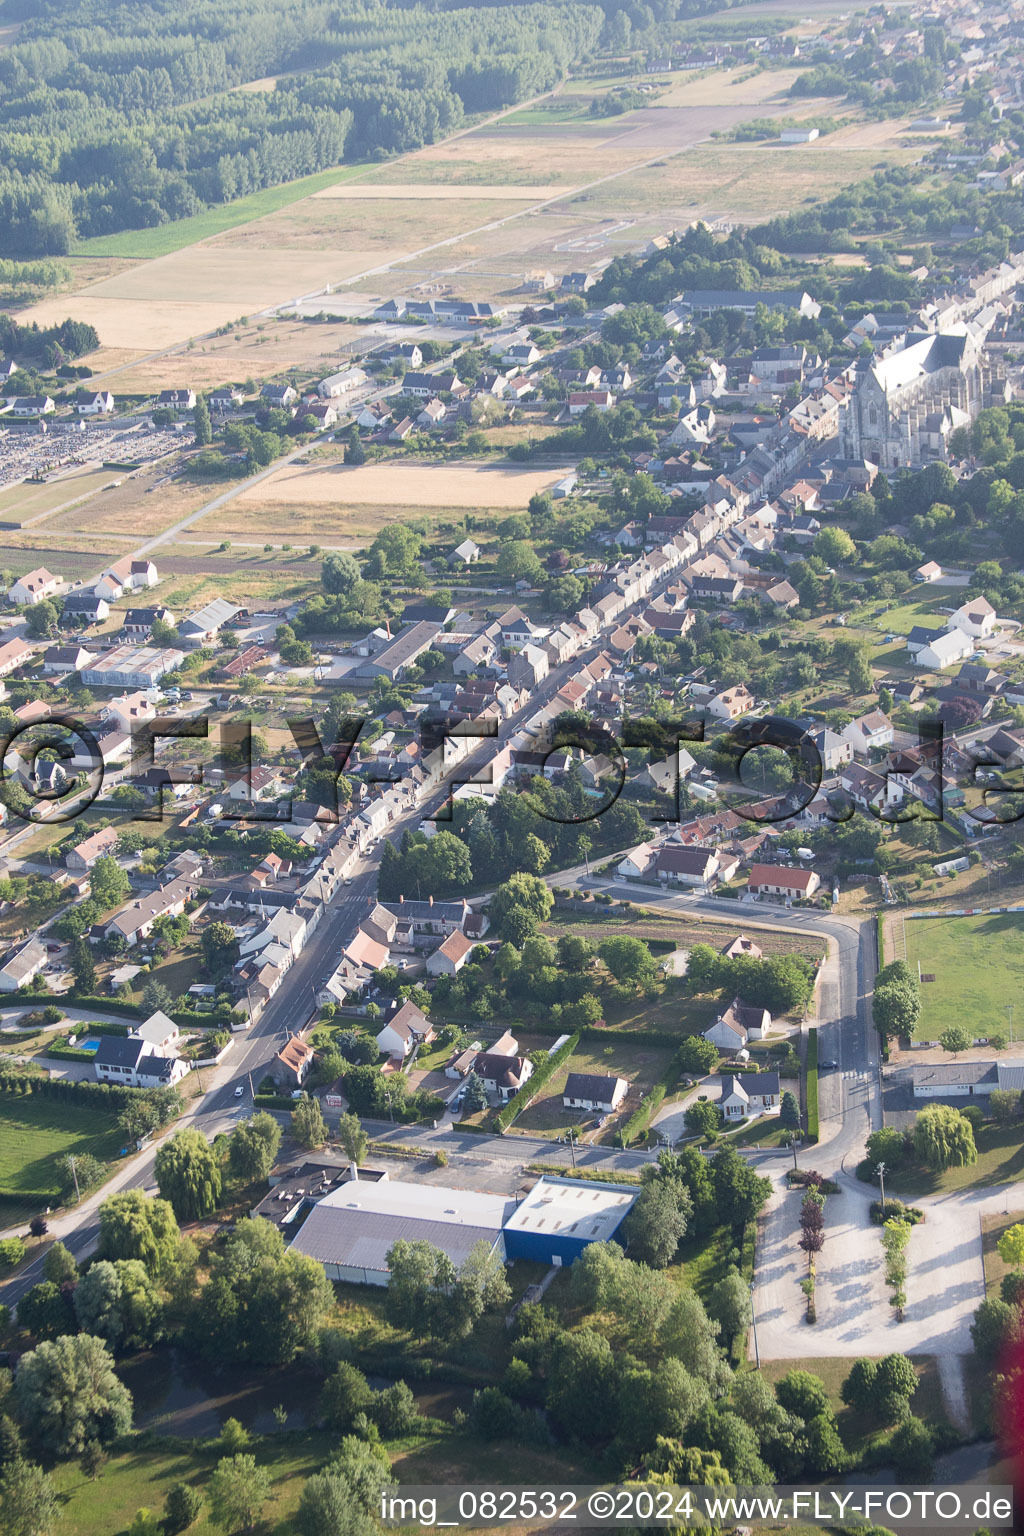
(355, 453)
(896, 1008)
(911, 1449)
(630, 961)
(802, 1393)
(729, 1304)
(789, 1114)
(858, 1390)
(188, 1175)
(28, 1503)
(521, 890)
(656, 1223)
(740, 1193)
(59, 1265)
(82, 968)
(697, 1055)
(201, 422)
(943, 1138)
(117, 1302)
(108, 884)
(703, 1118)
(135, 1226)
(328, 1506)
(68, 1395)
(253, 1147)
(262, 1301)
(394, 1410)
(308, 1127)
(219, 946)
(155, 997)
(237, 1492)
(353, 1138)
(824, 1449)
(474, 1096)
(991, 1327)
(346, 1392)
(581, 1396)
(894, 1384)
(1005, 1103)
(41, 619)
(45, 1311)
(834, 545)
(1011, 1246)
(955, 1039)
(145, 1523)
(183, 1508)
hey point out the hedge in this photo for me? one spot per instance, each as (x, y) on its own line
(529, 1090)
(812, 1085)
(592, 1175)
(640, 1119)
(117, 1095)
(216, 1016)
(895, 1210)
(274, 1101)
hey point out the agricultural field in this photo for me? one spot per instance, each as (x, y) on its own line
(34, 1133)
(978, 969)
(405, 484)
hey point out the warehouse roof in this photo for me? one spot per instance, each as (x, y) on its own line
(357, 1224)
(591, 1213)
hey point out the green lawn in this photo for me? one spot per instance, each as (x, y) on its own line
(861, 1434)
(140, 1475)
(1000, 1161)
(34, 1133)
(978, 965)
(146, 243)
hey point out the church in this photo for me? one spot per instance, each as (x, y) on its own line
(905, 404)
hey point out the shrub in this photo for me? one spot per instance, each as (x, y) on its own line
(895, 1210)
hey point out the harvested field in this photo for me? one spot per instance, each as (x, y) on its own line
(132, 510)
(63, 557)
(257, 351)
(425, 191)
(405, 484)
(727, 87)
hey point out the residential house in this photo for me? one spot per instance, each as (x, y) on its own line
(834, 750)
(738, 1024)
(976, 618)
(34, 588)
(177, 399)
(746, 1094)
(64, 658)
(452, 955)
(99, 404)
(134, 921)
(407, 1029)
(89, 607)
(731, 702)
(466, 553)
(699, 868)
(13, 653)
(137, 624)
(775, 880)
(22, 966)
(99, 845)
(930, 571)
(501, 1074)
(869, 733)
(945, 650)
(589, 1090)
(291, 1065)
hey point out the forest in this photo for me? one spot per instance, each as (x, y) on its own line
(121, 117)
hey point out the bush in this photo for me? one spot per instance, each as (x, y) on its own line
(895, 1210)
(812, 1085)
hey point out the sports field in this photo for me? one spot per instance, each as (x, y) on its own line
(35, 1133)
(978, 966)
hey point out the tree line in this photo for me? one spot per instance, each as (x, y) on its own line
(130, 118)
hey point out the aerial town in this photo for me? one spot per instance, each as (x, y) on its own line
(512, 696)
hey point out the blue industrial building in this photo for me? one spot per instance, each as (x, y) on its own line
(560, 1217)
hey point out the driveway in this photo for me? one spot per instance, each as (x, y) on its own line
(945, 1281)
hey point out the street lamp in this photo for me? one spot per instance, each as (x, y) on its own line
(880, 1170)
(1009, 1009)
(753, 1322)
(794, 1142)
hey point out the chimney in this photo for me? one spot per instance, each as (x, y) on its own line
(430, 899)
(353, 1172)
(401, 900)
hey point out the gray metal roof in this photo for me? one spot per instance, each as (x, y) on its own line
(361, 1239)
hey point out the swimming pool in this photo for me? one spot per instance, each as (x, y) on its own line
(89, 1044)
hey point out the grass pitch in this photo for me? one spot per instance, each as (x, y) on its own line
(978, 965)
(35, 1133)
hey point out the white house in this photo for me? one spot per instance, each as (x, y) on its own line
(976, 618)
(35, 587)
(22, 966)
(466, 553)
(870, 733)
(148, 1058)
(738, 1024)
(775, 880)
(407, 1029)
(99, 404)
(589, 1090)
(731, 702)
(946, 650)
(340, 383)
(745, 1094)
